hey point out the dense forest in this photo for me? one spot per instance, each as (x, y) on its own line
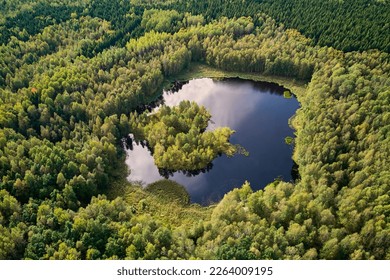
(74, 74)
(348, 25)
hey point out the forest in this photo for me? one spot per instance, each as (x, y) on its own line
(75, 77)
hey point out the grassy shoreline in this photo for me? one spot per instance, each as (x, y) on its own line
(199, 70)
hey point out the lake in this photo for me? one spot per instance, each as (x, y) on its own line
(259, 114)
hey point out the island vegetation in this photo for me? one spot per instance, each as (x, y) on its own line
(178, 138)
(72, 74)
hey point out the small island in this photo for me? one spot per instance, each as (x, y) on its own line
(178, 138)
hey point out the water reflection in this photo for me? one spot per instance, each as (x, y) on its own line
(189, 173)
(227, 102)
(256, 111)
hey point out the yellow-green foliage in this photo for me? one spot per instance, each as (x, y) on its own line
(178, 138)
(287, 94)
(170, 191)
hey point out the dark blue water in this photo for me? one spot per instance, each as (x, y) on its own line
(258, 113)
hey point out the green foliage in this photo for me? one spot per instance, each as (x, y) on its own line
(348, 25)
(72, 76)
(32, 18)
(178, 138)
(335, 23)
(287, 94)
(236, 251)
(288, 140)
(169, 191)
(161, 20)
